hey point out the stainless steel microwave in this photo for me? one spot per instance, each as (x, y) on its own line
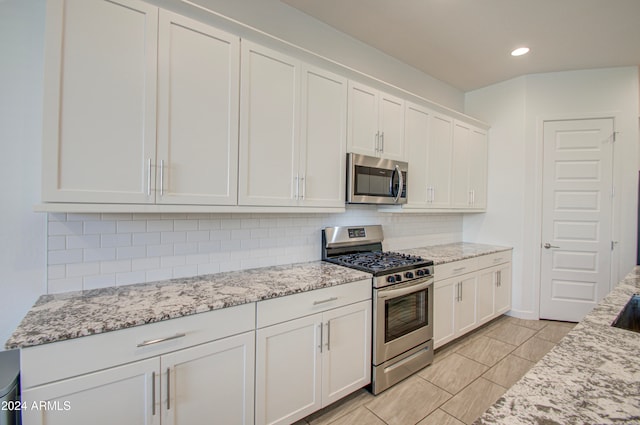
(373, 180)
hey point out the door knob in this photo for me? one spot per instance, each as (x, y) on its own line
(548, 245)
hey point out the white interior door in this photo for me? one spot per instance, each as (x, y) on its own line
(576, 217)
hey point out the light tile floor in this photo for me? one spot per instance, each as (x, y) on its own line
(466, 377)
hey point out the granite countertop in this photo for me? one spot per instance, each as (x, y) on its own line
(591, 377)
(448, 253)
(74, 314)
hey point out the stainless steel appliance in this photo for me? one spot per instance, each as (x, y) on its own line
(402, 300)
(373, 180)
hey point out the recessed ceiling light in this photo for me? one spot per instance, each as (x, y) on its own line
(520, 51)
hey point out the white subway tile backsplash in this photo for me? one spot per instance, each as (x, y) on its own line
(87, 251)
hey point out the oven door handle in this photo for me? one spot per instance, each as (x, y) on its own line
(404, 290)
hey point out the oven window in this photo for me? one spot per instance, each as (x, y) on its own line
(405, 314)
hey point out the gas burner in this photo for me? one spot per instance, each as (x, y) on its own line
(378, 261)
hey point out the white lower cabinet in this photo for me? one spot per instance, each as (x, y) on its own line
(210, 382)
(306, 363)
(469, 293)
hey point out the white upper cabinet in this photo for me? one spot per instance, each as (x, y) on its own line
(292, 132)
(428, 138)
(323, 139)
(198, 83)
(99, 122)
(375, 123)
(469, 167)
(269, 108)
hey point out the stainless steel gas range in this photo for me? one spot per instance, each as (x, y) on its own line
(402, 300)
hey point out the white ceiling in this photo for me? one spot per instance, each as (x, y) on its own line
(467, 43)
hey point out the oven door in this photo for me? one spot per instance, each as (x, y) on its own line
(403, 318)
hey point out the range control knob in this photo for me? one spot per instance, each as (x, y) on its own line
(408, 275)
(420, 272)
(391, 279)
(398, 278)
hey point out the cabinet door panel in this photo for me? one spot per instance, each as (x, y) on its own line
(485, 300)
(439, 161)
(269, 113)
(478, 146)
(417, 121)
(503, 289)
(323, 139)
(444, 312)
(121, 395)
(198, 113)
(460, 171)
(346, 364)
(391, 127)
(210, 381)
(99, 123)
(362, 119)
(288, 370)
(466, 317)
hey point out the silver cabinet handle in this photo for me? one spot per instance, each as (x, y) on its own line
(377, 145)
(433, 194)
(328, 300)
(461, 291)
(329, 335)
(159, 340)
(304, 186)
(168, 388)
(382, 142)
(458, 270)
(162, 177)
(148, 177)
(297, 182)
(321, 325)
(548, 245)
(153, 393)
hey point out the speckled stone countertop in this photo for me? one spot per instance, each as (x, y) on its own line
(75, 314)
(591, 377)
(448, 253)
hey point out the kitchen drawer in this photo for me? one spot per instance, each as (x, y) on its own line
(485, 261)
(64, 359)
(455, 268)
(277, 310)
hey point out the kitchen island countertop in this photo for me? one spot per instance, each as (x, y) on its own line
(591, 377)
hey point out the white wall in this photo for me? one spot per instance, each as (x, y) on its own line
(574, 94)
(22, 232)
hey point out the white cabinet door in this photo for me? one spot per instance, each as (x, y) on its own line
(485, 300)
(99, 123)
(465, 307)
(391, 124)
(346, 362)
(124, 395)
(417, 122)
(288, 370)
(461, 194)
(323, 140)
(444, 300)
(210, 382)
(198, 83)
(439, 161)
(269, 108)
(478, 150)
(503, 289)
(363, 132)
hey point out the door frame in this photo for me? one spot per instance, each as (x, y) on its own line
(535, 246)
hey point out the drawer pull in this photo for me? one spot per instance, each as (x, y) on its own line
(159, 340)
(497, 260)
(459, 269)
(328, 300)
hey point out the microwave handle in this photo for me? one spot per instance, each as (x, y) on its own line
(400, 184)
